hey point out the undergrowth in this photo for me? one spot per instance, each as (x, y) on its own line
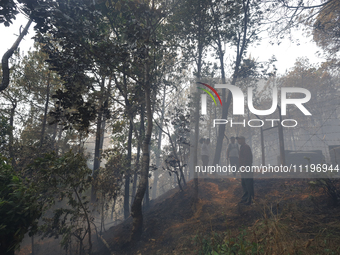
(287, 232)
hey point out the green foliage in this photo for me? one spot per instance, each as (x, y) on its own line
(178, 150)
(19, 208)
(226, 244)
(10, 8)
(8, 12)
(108, 179)
(66, 179)
(62, 174)
(5, 130)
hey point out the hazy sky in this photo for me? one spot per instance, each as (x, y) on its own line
(286, 53)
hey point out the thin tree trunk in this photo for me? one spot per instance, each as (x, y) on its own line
(45, 111)
(225, 107)
(87, 220)
(158, 152)
(241, 45)
(127, 173)
(55, 130)
(140, 144)
(134, 186)
(98, 148)
(129, 148)
(196, 118)
(11, 136)
(59, 140)
(196, 135)
(113, 206)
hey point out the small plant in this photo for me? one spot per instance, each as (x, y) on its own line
(226, 244)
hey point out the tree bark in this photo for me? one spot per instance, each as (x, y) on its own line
(197, 118)
(241, 45)
(8, 54)
(158, 152)
(141, 134)
(129, 148)
(127, 173)
(11, 136)
(146, 201)
(136, 209)
(45, 111)
(98, 143)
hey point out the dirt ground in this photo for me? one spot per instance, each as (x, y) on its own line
(172, 223)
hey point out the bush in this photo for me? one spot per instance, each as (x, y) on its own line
(19, 209)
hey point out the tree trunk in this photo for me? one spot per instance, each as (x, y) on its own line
(197, 118)
(127, 173)
(241, 45)
(55, 130)
(141, 132)
(136, 209)
(8, 54)
(98, 143)
(195, 159)
(57, 146)
(159, 146)
(146, 200)
(134, 186)
(11, 137)
(45, 111)
(129, 148)
(225, 107)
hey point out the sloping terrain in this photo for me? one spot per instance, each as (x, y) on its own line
(173, 227)
(288, 217)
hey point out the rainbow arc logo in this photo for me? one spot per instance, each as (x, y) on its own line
(204, 97)
(208, 86)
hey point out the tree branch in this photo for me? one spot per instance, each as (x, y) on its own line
(8, 54)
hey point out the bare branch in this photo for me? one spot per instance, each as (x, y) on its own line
(8, 54)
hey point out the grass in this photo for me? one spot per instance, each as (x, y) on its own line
(291, 231)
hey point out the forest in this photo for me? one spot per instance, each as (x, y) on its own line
(116, 127)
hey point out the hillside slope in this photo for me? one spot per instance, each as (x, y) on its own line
(288, 217)
(284, 210)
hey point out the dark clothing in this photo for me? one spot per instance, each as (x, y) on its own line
(234, 162)
(245, 157)
(205, 160)
(248, 189)
(247, 181)
(232, 154)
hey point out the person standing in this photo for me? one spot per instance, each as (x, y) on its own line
(232, 154)
(247, 180)
(205, 151)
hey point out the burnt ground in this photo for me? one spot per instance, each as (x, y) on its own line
(287, 214)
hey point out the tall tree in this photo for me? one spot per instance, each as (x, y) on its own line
(194, 35)
(244, 30)
(95, 39)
